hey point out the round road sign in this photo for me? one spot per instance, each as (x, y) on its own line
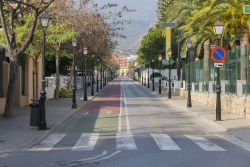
(218, 54)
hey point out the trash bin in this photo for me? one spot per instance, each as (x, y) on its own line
(35, 112)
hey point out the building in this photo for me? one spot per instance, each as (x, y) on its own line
(28, 79)
(123, 63)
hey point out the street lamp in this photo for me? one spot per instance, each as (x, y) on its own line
(93, 76)
(44, 18)
(169, 74)
(142, 78)
(74, 44)
(97, 77)
(148, 74)
(218, 30)
(85, 52)
(153, 80)
(101, 76)
(189, 46)
(160, 61)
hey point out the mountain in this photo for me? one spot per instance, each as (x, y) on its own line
(134, 32)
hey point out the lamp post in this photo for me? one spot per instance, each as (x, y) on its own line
(74, 105)
(97, 77)
(142, 77)
(44, 18)
(169, 75)
(148, 75)
(189, 46)
(218, 30)
(85, 52)
(93, 76)
(153, 80)
(101, 76)
(160, 61)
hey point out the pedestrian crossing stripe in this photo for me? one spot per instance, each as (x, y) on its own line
(48, 143)
(86, 142)
(164, 142)
(125, 141)
(204, 143)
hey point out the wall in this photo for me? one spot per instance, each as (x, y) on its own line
(229, 103)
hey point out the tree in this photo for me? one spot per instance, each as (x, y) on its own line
(152, 45)
(13, 13)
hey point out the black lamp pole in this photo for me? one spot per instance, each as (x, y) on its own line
(93, 76)
(42, 123)
(148, 75)
(218, 30)
(153, 80)
(74, 105)
(85, 52)
(169, 75)
(142, 78)
(101, 76)
(189, 46)
(160, 61)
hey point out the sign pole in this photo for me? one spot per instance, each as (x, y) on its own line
(218, 98)
(218, 55)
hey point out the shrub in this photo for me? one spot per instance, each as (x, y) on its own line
(65, 93)
(156, 74)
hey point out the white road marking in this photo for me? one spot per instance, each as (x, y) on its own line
(236, 141)
(126, 112)
(86, 142)
(204, 143)
(125, 141)
(120, 114)
(48, 143)
(164, 142)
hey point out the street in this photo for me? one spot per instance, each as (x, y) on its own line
(127, 125)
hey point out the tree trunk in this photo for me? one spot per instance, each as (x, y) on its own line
(10, 91)
(57, 77)
(244, 41)
(71, 76)
(206, 61)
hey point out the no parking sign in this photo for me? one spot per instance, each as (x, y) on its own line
(219, 56)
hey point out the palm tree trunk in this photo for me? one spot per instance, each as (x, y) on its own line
(206, 61)
(244, 41)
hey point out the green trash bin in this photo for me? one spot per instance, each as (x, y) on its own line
(35, 112)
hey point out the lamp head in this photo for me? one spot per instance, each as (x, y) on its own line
(218, 28)
(44, 18)
(74, 42)
(189, 43)
(85, 51)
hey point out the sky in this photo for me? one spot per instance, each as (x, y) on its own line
(143, 17)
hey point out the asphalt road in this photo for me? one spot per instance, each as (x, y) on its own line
(126, 125)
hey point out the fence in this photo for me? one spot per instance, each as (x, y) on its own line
(235, 75)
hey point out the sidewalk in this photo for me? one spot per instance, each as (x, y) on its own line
(236, 125)
(16, 133)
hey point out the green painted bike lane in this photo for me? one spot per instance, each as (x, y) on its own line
(100, 115)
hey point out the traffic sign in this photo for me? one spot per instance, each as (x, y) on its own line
(167, 62)
(142, 69)
(246, 9)
(218, 54)
(218, 65)
(167, 24)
